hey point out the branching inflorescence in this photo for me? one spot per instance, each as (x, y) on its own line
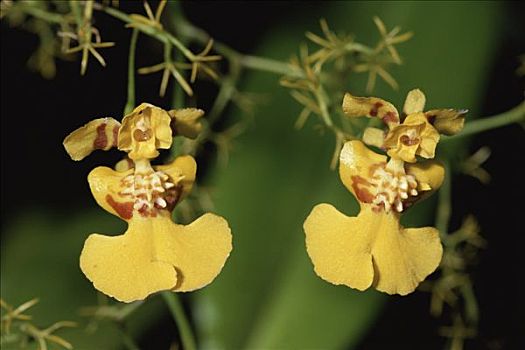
(17, 328)
(320, 78)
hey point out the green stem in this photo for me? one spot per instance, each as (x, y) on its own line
(159, 34)
(269, 65)
(43, 15)
(130, 103)
(75, 8)
(177, 311)
(444, 203)
(191, 32)
(515, 115)
(321, 101)
(471, 304)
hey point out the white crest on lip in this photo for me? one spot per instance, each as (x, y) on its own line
(147, 190)
(391, 190)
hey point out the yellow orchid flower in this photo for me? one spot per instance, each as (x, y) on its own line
(373, 249)
(154, 253)
(418, 134)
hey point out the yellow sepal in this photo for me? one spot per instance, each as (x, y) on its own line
(414, 102)
(372, 107)
(186, 121)
(100, 134)
(447, 121)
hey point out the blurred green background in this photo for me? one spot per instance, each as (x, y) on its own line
(463, 55)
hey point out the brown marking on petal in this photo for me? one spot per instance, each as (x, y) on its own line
(390, 117)
(172, 197)
(407, 141)
(124, 210)
(143, 210)
(101, 141)
(115, 135)
(375, 109)
(362, 193)
(141, 136)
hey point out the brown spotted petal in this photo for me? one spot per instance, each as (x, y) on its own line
(371, 107)
(145, 130)
(108, 187)
(100, 134)
(416, 136)
(143, 193)
(186, 121)
(447, 121)
(356, 166)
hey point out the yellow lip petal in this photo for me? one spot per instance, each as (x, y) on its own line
(356, 165)
(415, 102)
(125, 267)
(100, 134)
(370, 249)
(339, 247)
(404, 257)
(106, 187)
(198, 251)
(372, 107)
(156, 254)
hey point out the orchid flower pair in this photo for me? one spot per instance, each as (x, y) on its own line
(372, 249)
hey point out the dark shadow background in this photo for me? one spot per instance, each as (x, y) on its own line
(36, 173)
